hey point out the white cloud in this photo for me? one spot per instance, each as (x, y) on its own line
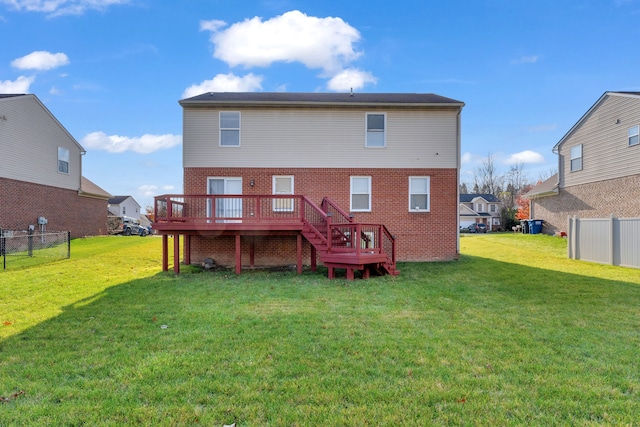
(20, 85)
(118, 144)
(318, 43)
(148, 190)
(62, 7)
(532, 59)
(350, 79)
(526, 156)
(466, 158)
(40, 60)
(226, 83)
(212, 25)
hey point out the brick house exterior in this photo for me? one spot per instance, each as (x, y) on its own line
(52, 185)
(598, 166)
(319, 142)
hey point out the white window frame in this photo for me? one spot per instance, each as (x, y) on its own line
(352, 193)
(573, 155)
(634, 135)
(283, 205)
(413, 191)
(375, 131)
(222, 129)
(64, 158)
(230, 207)
(492, 208)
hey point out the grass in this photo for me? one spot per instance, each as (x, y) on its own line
(513, 333)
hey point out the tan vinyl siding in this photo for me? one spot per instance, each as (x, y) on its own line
(29, 141)
(317, 138)
(606, 153)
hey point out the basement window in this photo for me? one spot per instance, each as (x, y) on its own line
(361, 194)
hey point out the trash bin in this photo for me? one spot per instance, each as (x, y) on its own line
(525, 226)
(535, 226)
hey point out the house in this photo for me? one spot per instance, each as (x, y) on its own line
(124, 206)
(41, 174)
(389, 162)
(598, 166)
(482, 209)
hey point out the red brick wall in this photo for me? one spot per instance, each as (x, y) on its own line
(424, 236)
(21, 203)
(619, 197)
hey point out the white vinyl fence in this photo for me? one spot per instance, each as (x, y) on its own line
(612, 240)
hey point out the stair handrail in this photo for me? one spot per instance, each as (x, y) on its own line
(341, 216)
(321, 228)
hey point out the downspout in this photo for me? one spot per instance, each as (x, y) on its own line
(458, 152)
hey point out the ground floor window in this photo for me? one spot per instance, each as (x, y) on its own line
(419, 189)
(360, 194)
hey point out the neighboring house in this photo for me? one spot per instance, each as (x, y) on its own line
(390, 159)
(124, 206)
(41, 173)
(480, 209)
(598, 166)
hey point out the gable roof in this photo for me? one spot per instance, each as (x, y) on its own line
(468, 198)
(116, 200)
(88, 188)
(548, 187)
(588, 113)
(7, 97)
(321, 99)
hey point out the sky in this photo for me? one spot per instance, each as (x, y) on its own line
(112, 71)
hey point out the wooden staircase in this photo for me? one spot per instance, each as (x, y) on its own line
(341, 243)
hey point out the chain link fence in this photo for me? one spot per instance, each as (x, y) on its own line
(20, 249)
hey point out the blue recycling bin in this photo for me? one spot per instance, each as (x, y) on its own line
(535, 226)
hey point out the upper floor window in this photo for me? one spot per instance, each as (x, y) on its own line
(634, 133)
(493, 208)
(576, 158)
(376, 133)
(230, 128)
(63, 160)
(361, 193)
(419, 190)
(479, 207)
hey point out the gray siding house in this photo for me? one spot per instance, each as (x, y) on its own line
(41, 172)
(598, 166)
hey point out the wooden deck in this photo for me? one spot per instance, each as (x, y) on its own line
(334, 237)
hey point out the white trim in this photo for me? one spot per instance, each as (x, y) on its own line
(282, 205)
(366, 130)
(351, 193)
(62, 159)
(220, 128)
(572, 158)
(428, 194)
(636, 134)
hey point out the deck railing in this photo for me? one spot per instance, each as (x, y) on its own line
(330, 223)
(208, 209)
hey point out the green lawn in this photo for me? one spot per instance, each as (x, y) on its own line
(513, 333)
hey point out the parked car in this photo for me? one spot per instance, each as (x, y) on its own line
(127, 226)
(478, 228)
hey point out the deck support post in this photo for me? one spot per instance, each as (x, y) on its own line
(314, 264)
(238, 255)
(176, 253)
(187, 249)
(299, 252)
(165, 252)
(350, 275)
(252, 252)
(331, 273)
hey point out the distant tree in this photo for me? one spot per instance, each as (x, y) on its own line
(486, 178)
(523, 203)
(463, 188)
